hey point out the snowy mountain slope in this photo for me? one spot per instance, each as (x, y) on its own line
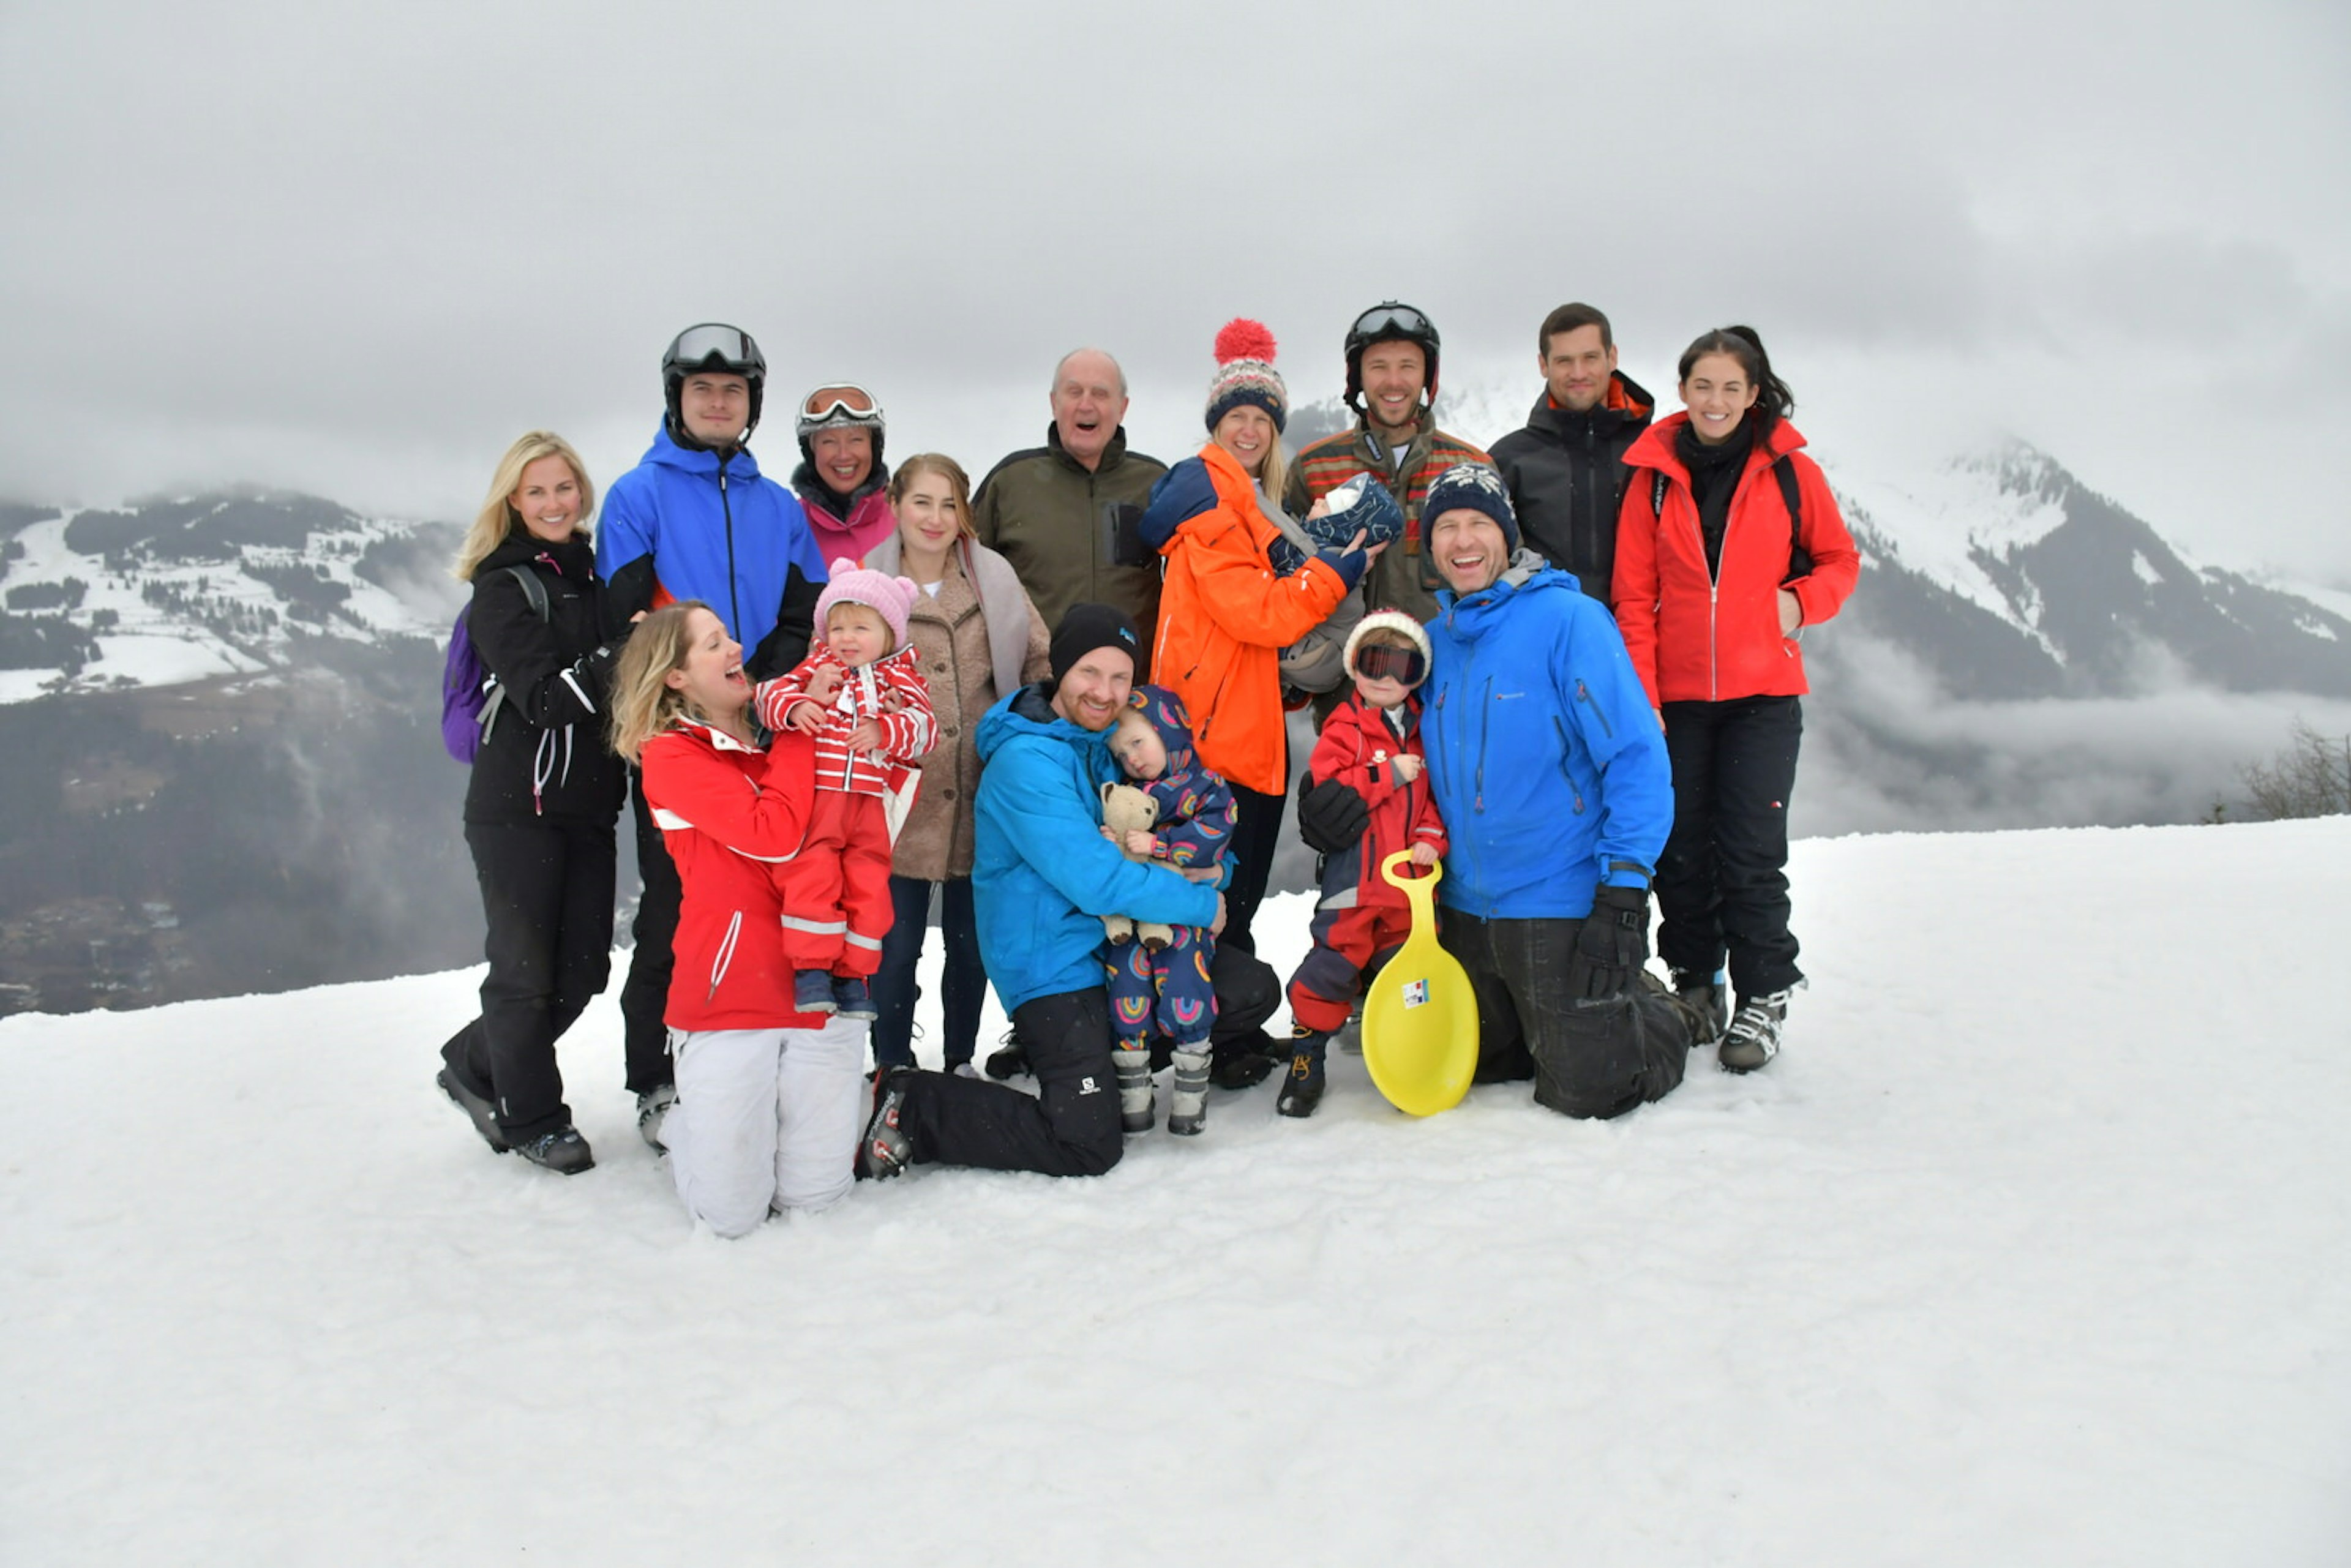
(212, 586)
(2030, 1251)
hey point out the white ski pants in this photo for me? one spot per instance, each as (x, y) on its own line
(765, 1119)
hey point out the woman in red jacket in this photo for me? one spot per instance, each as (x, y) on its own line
(771, 1100)
(1729, 546)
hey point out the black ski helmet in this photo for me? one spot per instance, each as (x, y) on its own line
(1389, 321)
(711, 346)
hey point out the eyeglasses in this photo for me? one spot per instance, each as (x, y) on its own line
(1405, 665)
(840, 402)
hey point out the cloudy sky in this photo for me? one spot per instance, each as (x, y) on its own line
(358, 249)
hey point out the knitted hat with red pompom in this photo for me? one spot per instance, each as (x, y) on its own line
(1245, 373)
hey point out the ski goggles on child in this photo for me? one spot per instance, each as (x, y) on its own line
(1404, 665)
(839, 402)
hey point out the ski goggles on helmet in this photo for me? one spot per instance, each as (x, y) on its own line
(839, 402)
(714, 345)
(1403, 666)
(1390, 320)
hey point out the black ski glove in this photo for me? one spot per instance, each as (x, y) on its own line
(1331, 816)
(1613, 945)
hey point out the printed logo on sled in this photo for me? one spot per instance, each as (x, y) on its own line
(1415, 992)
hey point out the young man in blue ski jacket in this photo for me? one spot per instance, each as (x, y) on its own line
(1043, 875)
(696, 519)
(1550, 774)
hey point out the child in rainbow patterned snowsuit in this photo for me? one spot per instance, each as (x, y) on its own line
(1153, 743)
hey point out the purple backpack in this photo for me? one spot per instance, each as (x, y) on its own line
(471, 695)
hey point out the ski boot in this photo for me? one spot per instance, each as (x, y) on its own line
(1753, 1037)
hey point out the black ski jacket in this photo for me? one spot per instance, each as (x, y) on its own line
(546, 757)
(1565, 472)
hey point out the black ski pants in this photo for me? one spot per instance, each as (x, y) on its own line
(1068, 1128)
(1257, 834)
(1722, 881)
(547, 889)
(644, 995)
(1593, 1060)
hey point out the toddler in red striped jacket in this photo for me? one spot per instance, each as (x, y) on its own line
(861, 694)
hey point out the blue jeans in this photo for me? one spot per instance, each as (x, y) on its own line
(964, 979)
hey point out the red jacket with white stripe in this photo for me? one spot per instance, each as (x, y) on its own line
(1358, 749)
(729, 813)
(909, 729)
(1694, 638)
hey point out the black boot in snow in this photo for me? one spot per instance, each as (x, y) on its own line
(885, 1151)
(1708, 997)
(1753, 1037)
(563, 1151)
(484, 1116)
(1010, 1059)
(1301, 1089)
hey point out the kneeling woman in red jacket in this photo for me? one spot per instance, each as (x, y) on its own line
(770, 1101)
(1729, 545)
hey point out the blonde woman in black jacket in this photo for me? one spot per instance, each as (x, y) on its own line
(542, 801)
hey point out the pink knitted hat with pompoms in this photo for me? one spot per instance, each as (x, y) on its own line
(889, 597)
(1245, 373)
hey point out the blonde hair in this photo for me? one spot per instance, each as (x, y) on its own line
(946, 468)
(1274, 472)
(498, 521)
(1384, 637)
(643, 703)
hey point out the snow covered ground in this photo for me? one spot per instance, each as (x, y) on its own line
(2035, 1248)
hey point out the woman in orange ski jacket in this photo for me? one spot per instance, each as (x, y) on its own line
(1225, 615)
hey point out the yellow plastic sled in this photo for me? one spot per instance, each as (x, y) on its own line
(1420, 1016)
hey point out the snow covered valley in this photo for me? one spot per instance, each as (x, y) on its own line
(2034, 1247)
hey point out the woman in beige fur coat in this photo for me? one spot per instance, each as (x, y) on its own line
(978, 638)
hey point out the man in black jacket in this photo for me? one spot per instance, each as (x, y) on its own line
(1565, 470)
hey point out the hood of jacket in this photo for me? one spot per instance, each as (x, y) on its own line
(700, 460)
(573, 559)
(1030, 712)
(1655, 449)
(1171, 721)
(1626, 404)
(1471, 617)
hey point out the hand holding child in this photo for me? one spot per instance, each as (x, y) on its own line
(823, 682)
(805, 716)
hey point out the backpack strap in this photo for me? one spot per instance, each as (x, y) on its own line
(1800, 559)
(534, 591)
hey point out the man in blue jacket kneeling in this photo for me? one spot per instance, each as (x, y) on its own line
(1042, 877)
(1548, 770)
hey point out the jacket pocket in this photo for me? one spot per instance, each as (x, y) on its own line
(725, 957)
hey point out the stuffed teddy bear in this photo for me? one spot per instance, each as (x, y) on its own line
(1125, 809)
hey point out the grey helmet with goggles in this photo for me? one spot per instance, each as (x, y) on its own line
(712, 346)
(841, 405)
(1389, 321)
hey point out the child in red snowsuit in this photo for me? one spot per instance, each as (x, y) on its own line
(862, 697)
(1371, 742)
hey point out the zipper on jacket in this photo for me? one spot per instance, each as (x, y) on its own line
(734, 599)
(1485, 711)
(1584, 695)
(1567, 774)
(725, 957)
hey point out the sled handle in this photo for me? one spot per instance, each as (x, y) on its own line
(1419, 891)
